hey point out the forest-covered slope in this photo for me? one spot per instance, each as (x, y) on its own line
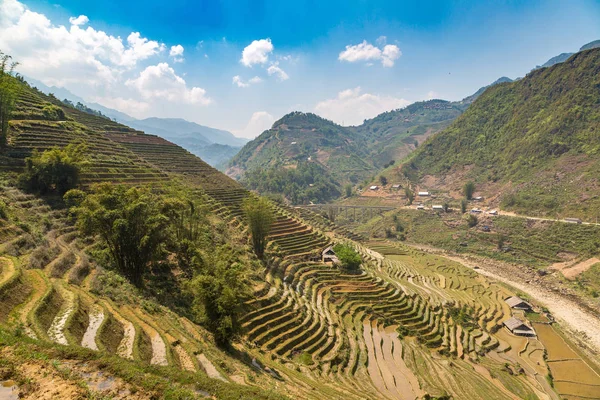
(536, 140)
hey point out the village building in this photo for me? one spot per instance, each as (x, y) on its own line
(478, 198)
(476, 211)
(424, 194)
(517, 327)
(420, 207)
(374, 187)
(518, 303)
(396, 186)
(329, 255)
(438, 207)
(493, 212)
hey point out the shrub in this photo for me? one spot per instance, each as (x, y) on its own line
(54, 170)
(472, 220)
(348, 257)
(53, 113)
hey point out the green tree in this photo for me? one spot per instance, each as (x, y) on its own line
(463, 206)
(446, 207)
(56, 169)
(9, 89)
(259, 216)
(130, 223)
(348, 190)
(220, 289)
(468, 190)
(382, 180)
(409, 195)
(348, 257)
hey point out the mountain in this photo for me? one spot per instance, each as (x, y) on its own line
(565, 56)
(307, 158)
(215, 146)
(533, 143)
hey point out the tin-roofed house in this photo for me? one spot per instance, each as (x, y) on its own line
(329, 255)
(517, 327)
(518, 303)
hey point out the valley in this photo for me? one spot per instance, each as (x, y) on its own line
(427, 250)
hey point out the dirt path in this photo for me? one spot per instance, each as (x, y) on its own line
(573, 271)
(571, 314)
(96, 319)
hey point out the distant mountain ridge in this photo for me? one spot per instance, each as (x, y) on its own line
(565, 56)
(215, 146)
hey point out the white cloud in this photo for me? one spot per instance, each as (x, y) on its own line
(278, 72)
(81, 20)
(161, 82)
(68, 56)
(351, 107)
(367, 52)
(381, 40)
(257, 52)
(237, 80)
(432, 95)
(177, 53)
(258, 123)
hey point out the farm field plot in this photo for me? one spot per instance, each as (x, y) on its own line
(573, 376)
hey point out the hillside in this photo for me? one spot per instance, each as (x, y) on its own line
(215, 146)
(533, 143)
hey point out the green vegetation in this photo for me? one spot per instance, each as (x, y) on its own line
(259, 216)
(537, 133)
(468, 190)
(129, 222)
(307, 182)
(9, 89)
(303, 149)
(55, 170)
(220, 288)
(349, 258)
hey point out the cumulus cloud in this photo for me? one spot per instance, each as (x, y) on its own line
(351, 106)
(74, 55)
(258, 123)
(367, 52)
(237, 80)
(161, 82)
(177, 53)
(257, 52)
(278, 72)
(81, 20)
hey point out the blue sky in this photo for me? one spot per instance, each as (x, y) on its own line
(246, 63)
